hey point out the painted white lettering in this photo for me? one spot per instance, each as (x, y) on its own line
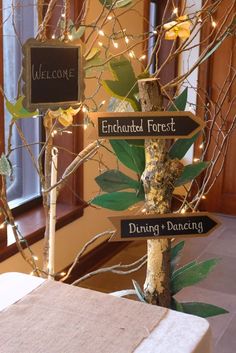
(152, 126)
(104, 126)
(145, 229)
(41, 73)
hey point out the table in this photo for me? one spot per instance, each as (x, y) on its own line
(172, 332)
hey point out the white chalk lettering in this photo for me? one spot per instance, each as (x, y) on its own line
(189, 225)
(152, 126)
(151, 230)
(41, 73)
(119, 127)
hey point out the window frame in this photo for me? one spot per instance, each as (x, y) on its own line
(69, 207)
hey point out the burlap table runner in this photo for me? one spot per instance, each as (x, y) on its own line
(58, 318)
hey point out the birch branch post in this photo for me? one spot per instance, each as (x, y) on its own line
(158, 179)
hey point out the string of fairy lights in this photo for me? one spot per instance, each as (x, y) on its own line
(85, 109)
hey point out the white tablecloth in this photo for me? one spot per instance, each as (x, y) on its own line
(176, 333)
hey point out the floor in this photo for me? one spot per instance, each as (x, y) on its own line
(219, 288)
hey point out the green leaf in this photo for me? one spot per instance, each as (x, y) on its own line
(117, 201)
(77, 34)
(139, 291)
(93, 52)
(180, 102)
(123, 3)
(183, 268)
(202, 309)
(175, 305)
(117, 105)
(134, 142)
(125, 85)
(119, 3)
(18, 111)
(114, 180)
(180, 147)
(190, 172)
(133, 157)
(218, 44)
(176, 253)
(5, 166)
(138, 155)
(94, 63)
(192, 275)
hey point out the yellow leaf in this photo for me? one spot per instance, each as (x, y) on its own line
(170, 25)
(93, 52)
(55, 114)
(170, 35)
(184, 33)
(72, 111)
(182, 18)
(65, 119)
(180, 29)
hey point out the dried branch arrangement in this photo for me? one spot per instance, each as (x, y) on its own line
(137, 85)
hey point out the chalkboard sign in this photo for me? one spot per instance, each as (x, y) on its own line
(52, 74)
(146, 125)
(163, 226)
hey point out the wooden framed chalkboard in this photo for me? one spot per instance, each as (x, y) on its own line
(172, 225)
(52, 74)
(161, 125)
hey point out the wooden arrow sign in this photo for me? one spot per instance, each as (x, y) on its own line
(188, 225)
(161, 125)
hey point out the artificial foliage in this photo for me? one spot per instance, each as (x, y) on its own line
(186, 276)
(111, 182)
(109, 51)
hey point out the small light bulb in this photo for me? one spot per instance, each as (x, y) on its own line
(70, 36)
(100, 44)
(2, 225)
(115, 44)
(62, 274)
(196, 159)
(103, 102)
(131, 54)
(154, 32)
(101, 33)
(35, 257)
(183, 210)
(214, 24)
(175, 11)
(203, 197)
(85, 126)
(53, 36)
(201, 146)
(109, 17)
(84, 109)
(126, 40)
(54, 133)
(63, 15)
(143, 57)
(143, 210)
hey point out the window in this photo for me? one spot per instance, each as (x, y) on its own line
(25, 186)
(152, 26)
(20, 22)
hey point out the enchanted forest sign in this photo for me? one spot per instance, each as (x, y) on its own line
(146, 125)
(52, 74)
(163, 226)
